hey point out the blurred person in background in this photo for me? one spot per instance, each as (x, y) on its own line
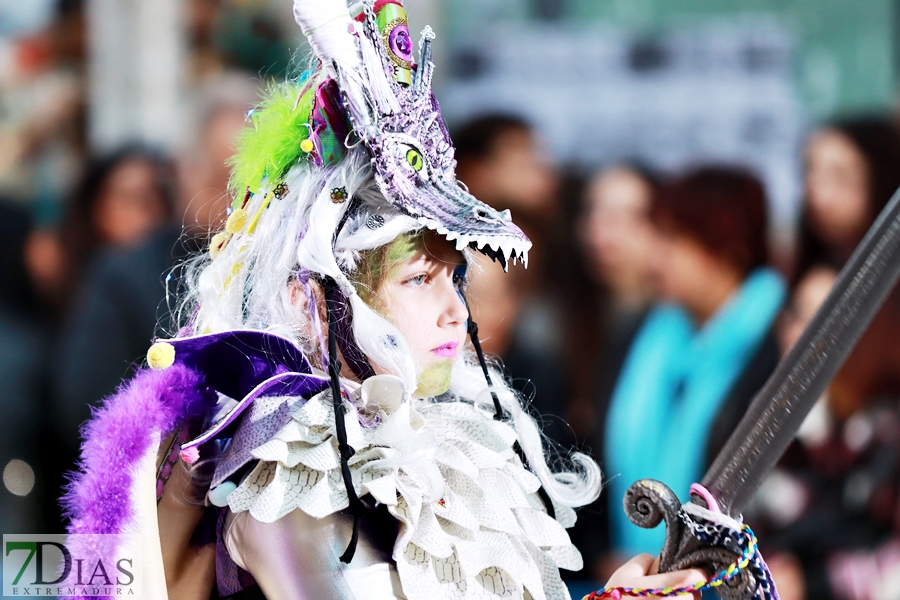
(42, 108)
(781, 499)
(617, 238)
(832, 507)
(42, 130)
(536, 319)
(41, 156)
(502, 155)
(700, 356)
(123, 198)
(852, 170)
(500, 160)
(128, 292)
(24, 338)
(122, 201)
(223, 104)
(830, 512)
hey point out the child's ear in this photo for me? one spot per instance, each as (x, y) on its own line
(303, 320)
(297, 295)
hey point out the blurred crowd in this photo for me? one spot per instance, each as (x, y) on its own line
(653, 308)
(92, 239)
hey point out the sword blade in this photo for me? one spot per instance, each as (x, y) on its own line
(778, 410)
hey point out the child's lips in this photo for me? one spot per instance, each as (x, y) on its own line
(448, 350)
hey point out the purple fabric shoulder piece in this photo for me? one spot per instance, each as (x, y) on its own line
(240, 364)
(246, 365)
(235, 362)
(283, 384)
(98, 497)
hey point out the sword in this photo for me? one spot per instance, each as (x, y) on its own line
(779, 408)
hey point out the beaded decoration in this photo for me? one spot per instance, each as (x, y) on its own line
(339, 195)
(173, 452)
(750, 557)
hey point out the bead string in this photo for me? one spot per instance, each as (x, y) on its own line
(750, 551)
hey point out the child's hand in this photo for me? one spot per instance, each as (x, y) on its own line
(642, 572)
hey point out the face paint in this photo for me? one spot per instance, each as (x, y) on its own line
(435, 379)
(376, 265)
(402, 249)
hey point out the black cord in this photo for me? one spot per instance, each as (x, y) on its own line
(334, 371)
(498, 409)
(473, 334)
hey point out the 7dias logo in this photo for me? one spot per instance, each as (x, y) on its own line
(75, 565)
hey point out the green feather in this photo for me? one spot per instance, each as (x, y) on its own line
(271, 144)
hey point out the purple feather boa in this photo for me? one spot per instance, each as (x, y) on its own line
(98, 499)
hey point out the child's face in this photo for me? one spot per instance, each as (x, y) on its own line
(420, 296)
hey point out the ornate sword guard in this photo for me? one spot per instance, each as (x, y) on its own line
(649, 502)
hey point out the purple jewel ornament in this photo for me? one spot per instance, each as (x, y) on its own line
(401, 43)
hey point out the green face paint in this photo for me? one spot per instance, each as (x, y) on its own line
(403, 248)
(376, 266)
(435, 379)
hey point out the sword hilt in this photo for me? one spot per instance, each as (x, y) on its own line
(649, 503)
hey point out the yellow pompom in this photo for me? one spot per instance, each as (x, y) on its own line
(160, 356)
(236, 221)
(307, 145)
(217, 243)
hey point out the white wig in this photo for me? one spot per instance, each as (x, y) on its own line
(248, 285)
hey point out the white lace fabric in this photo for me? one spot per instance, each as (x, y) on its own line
(472, 524)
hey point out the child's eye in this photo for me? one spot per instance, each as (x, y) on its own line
(417, 280)
(459, 277)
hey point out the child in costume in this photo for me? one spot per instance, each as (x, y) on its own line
(316, 429)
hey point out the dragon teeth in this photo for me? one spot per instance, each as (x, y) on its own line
(506, 249)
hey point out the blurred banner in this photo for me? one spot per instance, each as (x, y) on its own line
(722, 91)
(136, 61)
(21, 18)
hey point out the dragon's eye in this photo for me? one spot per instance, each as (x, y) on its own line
(415, 160)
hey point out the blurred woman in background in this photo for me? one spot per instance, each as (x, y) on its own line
(832, 505)
(617, 241)
(700, 356)
(829, 512)
(852, 169)
(501, 159)
(122, 199)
